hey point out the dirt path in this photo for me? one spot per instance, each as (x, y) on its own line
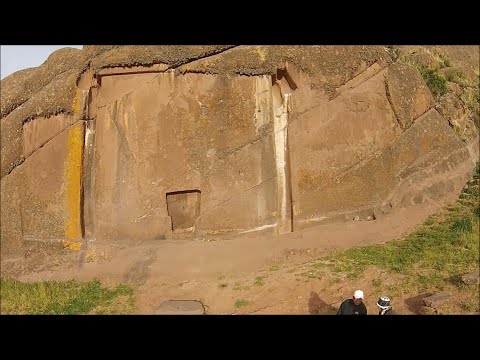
(240, 271)
(281, 291)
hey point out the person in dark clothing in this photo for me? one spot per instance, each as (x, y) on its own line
(384, 306)
(353, 306)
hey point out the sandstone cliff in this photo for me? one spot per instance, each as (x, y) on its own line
(152, 142)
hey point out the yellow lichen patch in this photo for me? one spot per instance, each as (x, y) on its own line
(73, 181)
(90, 257)
(261, 53)
(75, 246)
(93, 255)
(76, 102)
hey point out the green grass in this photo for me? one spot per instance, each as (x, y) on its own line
(436, 82)
(239, 286)
(259, 281)
(440, 60)
(313, 274)
(471, 98)
(456, 77)
(470, 305)
(476, 121)
(241, 303)
(64, 298)
(274, 267)
(335, 280)
(444, 247)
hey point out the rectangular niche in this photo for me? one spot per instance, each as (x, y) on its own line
(184, 208)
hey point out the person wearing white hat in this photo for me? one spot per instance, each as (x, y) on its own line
(384, 306)
(353, 306)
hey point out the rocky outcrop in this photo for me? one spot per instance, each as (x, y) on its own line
(154, 142)
(471, 278)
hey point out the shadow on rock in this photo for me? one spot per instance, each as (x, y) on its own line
(317, 306)
(414, 304)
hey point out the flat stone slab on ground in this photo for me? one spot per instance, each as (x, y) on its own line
(471, 278)
(181, 307)
(436, 299)
(426, 310)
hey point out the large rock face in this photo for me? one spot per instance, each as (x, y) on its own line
(154, 142)
(159, 134)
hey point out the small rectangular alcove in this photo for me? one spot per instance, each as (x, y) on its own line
(184, 208)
